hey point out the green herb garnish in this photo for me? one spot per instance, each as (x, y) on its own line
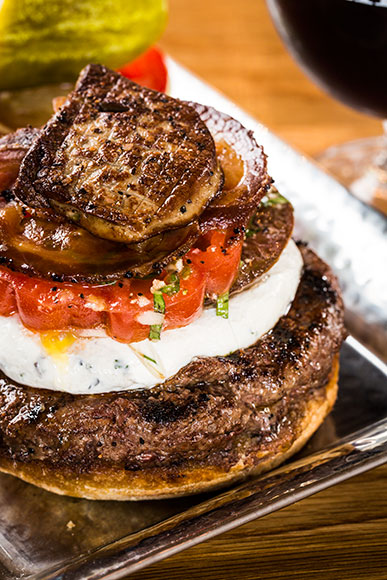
(154, 332)
(186, 272)
(173, 285)
(222, 305)
(158, 306)
(158, 302)
(171, 288)
(149, 358)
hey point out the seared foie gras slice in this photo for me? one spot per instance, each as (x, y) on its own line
(123, 161)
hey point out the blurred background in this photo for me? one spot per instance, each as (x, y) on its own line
(234, 46)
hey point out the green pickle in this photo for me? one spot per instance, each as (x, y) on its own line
(46, 41)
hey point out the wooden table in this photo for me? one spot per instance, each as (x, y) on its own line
(340, 533)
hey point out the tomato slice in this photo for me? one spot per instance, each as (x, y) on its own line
(126, 309)
(218, 255)
(43, 306)
(148, 70)
(130, 317)
(127, 304)
(8, 304)
(186, 305)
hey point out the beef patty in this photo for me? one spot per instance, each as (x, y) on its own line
(218, 418)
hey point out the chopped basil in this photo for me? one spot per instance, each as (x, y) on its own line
(186, 272)
(173, 285)
(149, 358)
(158, 302)
(158, 306)
(154, 332)
(222, 305)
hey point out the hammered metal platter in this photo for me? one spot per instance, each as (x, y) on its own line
(43, 536)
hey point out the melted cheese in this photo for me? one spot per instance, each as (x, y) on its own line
(97, 363)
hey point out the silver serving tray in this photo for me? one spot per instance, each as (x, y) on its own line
(43, 536)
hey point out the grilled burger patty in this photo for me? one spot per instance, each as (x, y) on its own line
(215, 419)
(149, 175)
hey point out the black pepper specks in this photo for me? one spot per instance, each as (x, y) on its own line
(57, 277)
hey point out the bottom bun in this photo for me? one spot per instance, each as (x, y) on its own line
(120, 484)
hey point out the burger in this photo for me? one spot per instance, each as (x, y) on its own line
(161, 333)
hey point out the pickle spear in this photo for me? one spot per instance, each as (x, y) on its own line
(45, 42)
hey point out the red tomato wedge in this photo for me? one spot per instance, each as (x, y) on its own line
(8, 304)
(187, 304)
(218, 257)
(130, 319)
(125, 311)
(43, 306)
(148, 70)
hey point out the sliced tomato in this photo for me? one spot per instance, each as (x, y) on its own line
(8, 304)
(44, 306)
(125, 309)
(218, 255)
(130, 317)
(186, 305)
(148, 70)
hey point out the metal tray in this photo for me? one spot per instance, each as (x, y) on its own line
(43, 536)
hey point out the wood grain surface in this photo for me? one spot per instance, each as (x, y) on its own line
(340, 533)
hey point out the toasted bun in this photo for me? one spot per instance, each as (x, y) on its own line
(119, 484)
